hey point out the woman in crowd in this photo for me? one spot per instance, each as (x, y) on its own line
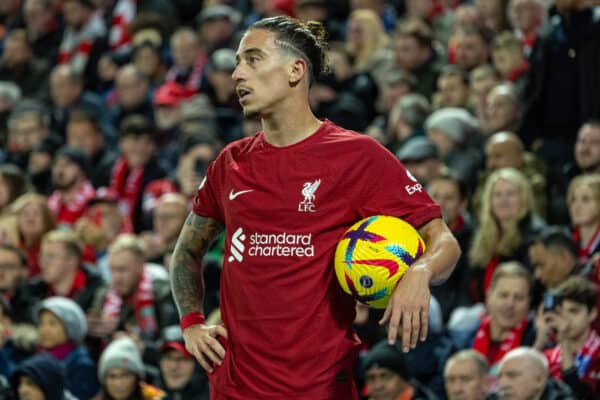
(506, 223)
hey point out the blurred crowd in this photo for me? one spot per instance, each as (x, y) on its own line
(112, 110)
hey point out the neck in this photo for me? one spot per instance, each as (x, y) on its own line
(292, 123)
(577, 343)
(497, 332)
(67, 195)
(63, 287)
(587, 231)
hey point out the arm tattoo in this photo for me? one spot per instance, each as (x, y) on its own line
(187, 282)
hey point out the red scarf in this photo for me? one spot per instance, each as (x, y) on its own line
(69, 213)
(143, 303)
(193, 82)
(518, 71)
(128, 184)
(489, 272)
(586, 249)
(587, 361)
(79, 282)
(483, 340)
(459, 222)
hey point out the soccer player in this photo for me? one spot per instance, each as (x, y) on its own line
(285, 196)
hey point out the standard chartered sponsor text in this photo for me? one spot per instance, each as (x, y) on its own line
(281, 245)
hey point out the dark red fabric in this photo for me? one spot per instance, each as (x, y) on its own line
(483, 340)
(489, 272)
(78, 284)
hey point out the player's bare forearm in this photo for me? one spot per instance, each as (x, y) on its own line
(442, 251)
(187, 283)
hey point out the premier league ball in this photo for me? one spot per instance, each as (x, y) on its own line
(372, 256)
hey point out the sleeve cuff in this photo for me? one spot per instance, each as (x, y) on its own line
(193, 318)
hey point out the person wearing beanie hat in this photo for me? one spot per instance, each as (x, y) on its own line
(388, 377)
(62, 327)
(72, 189)
(121, 373)
(40, 377)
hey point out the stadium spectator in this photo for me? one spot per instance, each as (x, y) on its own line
(84, 132)
(583, 198)
(13, 274)
(407, 119)
(28, 124)
(481, 81)
(506, 224)
(148, 59)
(527, 18)
(13, 184)
(494, 14)
(388, 376)
(421, 157)
(133, 95)
(318, 10)
(452, 88)
(509, 59)
(72, 189)
(465, 376)
(587, 147)
(121, 373)
(44, 31)
(217, 27)
(472, 47)
(503, 110)
(189, 60)
(62, 327)
(40, 377)
(10, 15)
(39, 166)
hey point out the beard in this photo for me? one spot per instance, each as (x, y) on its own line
(63, 184)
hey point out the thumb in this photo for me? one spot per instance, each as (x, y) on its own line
(221, 331)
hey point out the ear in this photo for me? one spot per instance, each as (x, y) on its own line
(298, 70)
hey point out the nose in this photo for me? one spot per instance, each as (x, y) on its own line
(238, 73)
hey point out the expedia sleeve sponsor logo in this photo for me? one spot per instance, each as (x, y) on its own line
(270, 245)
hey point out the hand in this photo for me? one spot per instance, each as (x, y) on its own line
(201, 341)
(101, 326)
(410, 305)
(545, 325)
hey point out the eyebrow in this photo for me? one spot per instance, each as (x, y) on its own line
(252, 50)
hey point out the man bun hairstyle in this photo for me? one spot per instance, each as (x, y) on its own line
(306, 40)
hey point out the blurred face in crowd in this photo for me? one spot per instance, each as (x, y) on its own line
(480, 88)
(16, 52)
(63, 89)
(56, 262)
(502, 151)
(442, 141)
(137, 149)
(192, 167)
(28, 390)
(423, 170)
(132, 87)
(176, 369)
(12, 271)
(409, 53)
(167, 116)
(311, 12)
(147, 60)
(108, 216)
(578, 318)
(120, 383)
(185, 48)
(464, 380)
(446, 193)
(587, 148)
(384, 384)
(521, 379)
(471, 50)
(506, 201)
(37, 15)
(583, 207)
(125, 269)
(75, 13)
(453, 91)
(169, 215)
(550, 266)
(66, 174)
(85, 136)
(30, 220)
(508, 302)
(527, 14)
(397, 126)
(51, 330)
(8, 7)
(502, 111)
(507, 60)
(393, 92)
(356, 35)
(216, 31)
(26, 132)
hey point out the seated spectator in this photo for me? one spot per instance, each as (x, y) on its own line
(72, 189)
(121, 373)
(28, 124)
(453, 130)
(472, 47)
(510, 60)
(135, 301)
(466, 376)
(587, 148)
(13, 183)
(13, 273)
(62, 328)
(506, 325)
(407, 119)
(506, 150)
(421, 157)
(524, 375)
(43, 29)
(527, 17)
(147, 58)
(34, 220)
(137, 167)
(506, 225)
(503, 110)
(168, 217)
(217, 26)
(189, 60)
(575, 359)
(481, 81)
(452, 195)
(388, 376)
(84, 132)
(40, 377)
(452, 88)
(133, 96)
(180, 376)
(583, 198)
(63, 272)
(318, 10)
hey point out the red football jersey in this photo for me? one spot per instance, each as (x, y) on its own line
(285, 208)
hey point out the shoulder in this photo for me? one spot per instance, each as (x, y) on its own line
(339, 136)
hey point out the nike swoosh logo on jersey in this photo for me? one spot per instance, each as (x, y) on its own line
(233, 195)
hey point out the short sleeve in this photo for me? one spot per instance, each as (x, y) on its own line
(390, 189)
(205, 203)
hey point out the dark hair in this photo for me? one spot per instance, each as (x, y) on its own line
(137, 125)
(83, 115)
(417, 29)
(14, 249)
(454, 178)
(555, 237)
(15, 179)
(306, 40)
(579, 290)
(453, 70)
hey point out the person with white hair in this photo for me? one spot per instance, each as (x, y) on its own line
(524, 376)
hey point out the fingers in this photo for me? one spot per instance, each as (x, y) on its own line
(221, 331)
(205, 347)
(396, 316)
(212, 349)
(424, 324)
(408, 330)
(197, 353)
(386, 314)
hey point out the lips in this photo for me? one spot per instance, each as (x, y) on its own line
(242, 92)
